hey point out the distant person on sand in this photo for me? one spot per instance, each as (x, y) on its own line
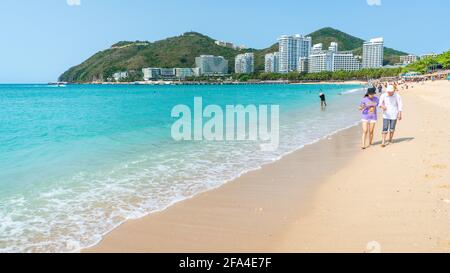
(380, 88)
(369, 105)
(392, 106)
(323, 100)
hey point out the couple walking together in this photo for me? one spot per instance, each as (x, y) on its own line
(390, 104)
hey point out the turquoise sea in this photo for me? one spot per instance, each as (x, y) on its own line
(77, 161)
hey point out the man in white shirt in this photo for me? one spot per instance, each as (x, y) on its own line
(392, 106)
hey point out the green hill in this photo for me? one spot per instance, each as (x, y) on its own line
(181, 51)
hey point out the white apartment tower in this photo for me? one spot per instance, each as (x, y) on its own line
(373, 52)
(292, 48)
(271, 62)
(320, 61)
(244, 63)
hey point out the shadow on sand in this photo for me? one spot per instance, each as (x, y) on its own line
(398, 140)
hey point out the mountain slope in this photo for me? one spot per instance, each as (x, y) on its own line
(328, 35)
(177, 51)
(180, 51)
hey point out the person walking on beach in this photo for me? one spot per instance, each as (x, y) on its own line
(380, 88)
(369, 105)
(392, 106)
(323, 100)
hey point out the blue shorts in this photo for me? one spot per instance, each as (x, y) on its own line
(389, 125)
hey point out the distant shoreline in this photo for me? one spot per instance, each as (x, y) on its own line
(223, 83)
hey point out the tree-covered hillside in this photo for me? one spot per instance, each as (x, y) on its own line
(181, 51)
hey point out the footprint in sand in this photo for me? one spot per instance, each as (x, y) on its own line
(439, 167)
(432, 176)
(447, 187)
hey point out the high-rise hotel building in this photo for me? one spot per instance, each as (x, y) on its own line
(373, 53)
(272, 63)
(210, 65)
(244, 63)
(292, 48)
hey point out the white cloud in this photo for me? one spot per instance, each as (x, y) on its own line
(74, 2)
(374, 2)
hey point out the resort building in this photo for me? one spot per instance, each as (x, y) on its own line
(182, 73)
(120, 75)
(345, 60)
(210, 65)
(151, 73)
(272, 62)
(292, 48)
(244, 63)
(303, 65)
(167, 73)
(154, 73)
(320, 61)
(409, 59)
(373, 53)
(329, 60)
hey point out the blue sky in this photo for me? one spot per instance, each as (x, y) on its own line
(40, 39)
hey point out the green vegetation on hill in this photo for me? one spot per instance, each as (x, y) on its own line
(177, 51)
(180, 51)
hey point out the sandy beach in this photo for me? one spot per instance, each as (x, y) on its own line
(327, 197)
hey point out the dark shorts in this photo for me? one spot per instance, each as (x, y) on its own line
(389, 125)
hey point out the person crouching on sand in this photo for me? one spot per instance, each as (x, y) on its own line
(392, 106)
(369, 105)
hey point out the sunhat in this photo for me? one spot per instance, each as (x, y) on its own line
(390, 89)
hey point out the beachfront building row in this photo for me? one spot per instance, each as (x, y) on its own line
(244, 63)
(154, 73)
(210, 65)
(329, 60)
(373, 53)
(291, 49)
(207, 65)
(319, 60)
